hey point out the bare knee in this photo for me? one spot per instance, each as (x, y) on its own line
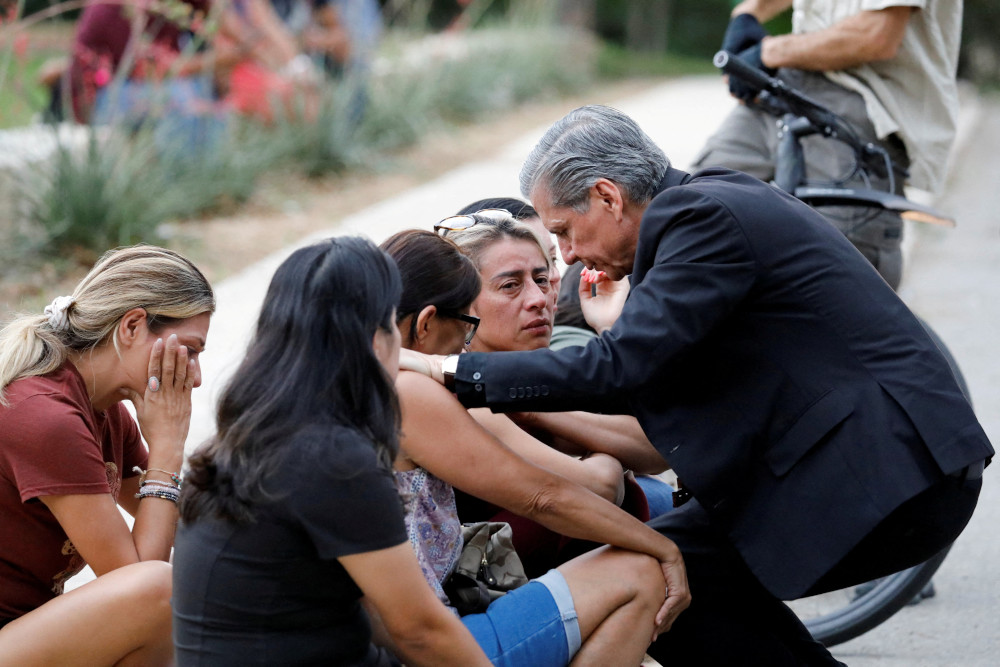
(148, 603)
(152, 591)
(642, 575)
(608, 476)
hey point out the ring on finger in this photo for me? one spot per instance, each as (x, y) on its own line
(154, 384)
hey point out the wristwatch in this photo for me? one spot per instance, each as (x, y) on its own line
(448, 367)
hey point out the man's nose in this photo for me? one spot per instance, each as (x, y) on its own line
(566, 250)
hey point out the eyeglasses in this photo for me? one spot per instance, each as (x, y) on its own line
(471, 320)
(458, 222)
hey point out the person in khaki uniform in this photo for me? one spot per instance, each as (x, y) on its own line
(887, 66)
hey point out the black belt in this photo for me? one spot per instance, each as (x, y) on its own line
(970, 472)
(681, 495)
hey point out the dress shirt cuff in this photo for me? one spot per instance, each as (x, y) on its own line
(470, 386)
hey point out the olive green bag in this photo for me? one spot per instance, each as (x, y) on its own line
(487, 568)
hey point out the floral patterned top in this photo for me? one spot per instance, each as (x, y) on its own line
(432, 524)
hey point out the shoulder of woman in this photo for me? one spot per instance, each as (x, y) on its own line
(414, 387)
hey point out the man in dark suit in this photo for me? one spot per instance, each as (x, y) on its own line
(818, 428)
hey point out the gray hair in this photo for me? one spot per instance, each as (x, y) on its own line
(589, 143)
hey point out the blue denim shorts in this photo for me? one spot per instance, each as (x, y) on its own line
(535, 624)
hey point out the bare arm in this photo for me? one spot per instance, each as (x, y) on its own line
(866, 37)
(440, 436)
(601, 474)
(327, 34)
(92, 521)
(619, 436)
(258, 34)
(422, 629)
(763, 10)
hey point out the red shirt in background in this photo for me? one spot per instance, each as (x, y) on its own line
(101, 40)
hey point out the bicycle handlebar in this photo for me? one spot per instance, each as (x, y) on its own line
(778, 98)
(792, 100)
(730, 64)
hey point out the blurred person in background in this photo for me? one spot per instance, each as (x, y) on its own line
(886, 66)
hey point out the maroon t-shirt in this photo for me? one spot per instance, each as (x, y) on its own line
(53, 442)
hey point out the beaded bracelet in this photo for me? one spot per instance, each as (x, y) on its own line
(175, 477)
(173, 495)
(158, 483)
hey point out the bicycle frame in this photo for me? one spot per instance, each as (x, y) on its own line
(800, 117)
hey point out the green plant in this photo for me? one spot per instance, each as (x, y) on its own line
(105, 193)
(96, 195)
(119, 185)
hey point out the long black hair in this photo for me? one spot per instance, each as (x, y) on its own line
(310, 363)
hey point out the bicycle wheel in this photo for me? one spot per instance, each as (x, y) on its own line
(838, 616)
(835, 617)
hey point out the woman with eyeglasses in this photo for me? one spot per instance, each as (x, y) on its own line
(599, 609)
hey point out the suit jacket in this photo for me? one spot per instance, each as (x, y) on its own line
(792, 391)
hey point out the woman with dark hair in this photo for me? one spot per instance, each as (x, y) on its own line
(71, 456)
(599, 609)
(290, 514)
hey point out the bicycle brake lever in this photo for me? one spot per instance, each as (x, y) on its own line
(770, 104)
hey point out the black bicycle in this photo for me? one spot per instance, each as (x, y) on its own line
(838, 616)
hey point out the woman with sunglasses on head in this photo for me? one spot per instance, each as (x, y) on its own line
(599, 609)
(71, 456)
(579, 433)
(290, 514)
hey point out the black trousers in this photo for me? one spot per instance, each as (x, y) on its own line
(733, 620)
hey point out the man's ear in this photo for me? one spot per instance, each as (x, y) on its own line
(424, 319)
(605, 193)
(131, 326)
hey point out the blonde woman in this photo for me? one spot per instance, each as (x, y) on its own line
(70, 455)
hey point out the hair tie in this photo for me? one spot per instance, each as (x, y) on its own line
(56, 312)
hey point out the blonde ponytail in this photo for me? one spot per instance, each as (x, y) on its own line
(27, 349)
(165, 284)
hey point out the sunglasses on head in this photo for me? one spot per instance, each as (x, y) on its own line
(458, 222)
